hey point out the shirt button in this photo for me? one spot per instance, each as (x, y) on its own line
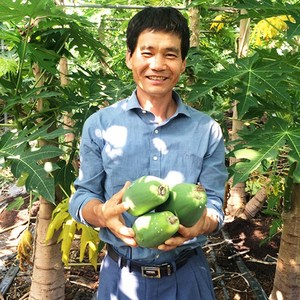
(156, 131)
(155, 157)
(144, 112)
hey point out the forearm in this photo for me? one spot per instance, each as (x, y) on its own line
(211, 221)
(92, 212)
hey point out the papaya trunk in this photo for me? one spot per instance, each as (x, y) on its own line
(237, 198)
(64, 80)
(48, 280)
(194, 14)
(48, 272)
(255, 204)
(287, 277)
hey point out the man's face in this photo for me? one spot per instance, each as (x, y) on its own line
(156, 63)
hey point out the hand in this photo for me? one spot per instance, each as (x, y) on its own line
(206, 224)
(109, 214)
(112, 215)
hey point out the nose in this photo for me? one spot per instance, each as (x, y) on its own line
(157, 63)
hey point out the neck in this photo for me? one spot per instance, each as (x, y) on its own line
(161, 108)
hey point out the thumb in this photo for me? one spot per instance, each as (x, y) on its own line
(124, 188)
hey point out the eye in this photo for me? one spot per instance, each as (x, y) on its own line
(171, 55)
(146, 53)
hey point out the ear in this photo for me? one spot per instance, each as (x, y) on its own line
(183, 66)
(128, 60)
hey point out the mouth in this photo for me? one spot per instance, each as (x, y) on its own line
(157, 78)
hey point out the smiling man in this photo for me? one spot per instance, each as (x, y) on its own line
(152, 132)
(156, 65)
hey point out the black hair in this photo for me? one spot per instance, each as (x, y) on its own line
(167, 19)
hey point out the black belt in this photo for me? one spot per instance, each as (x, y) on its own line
(151, 271)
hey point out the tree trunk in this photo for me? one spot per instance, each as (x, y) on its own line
(237, 195)
(48, 280)
(194, 16)
(254, 205)
(48, 273)
(287, 277)
(64, 81)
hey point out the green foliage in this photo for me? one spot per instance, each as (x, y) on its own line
(16, 204)
(266, 86)
(37, 34)
(15, 147)
(265, 146)
(268, 8)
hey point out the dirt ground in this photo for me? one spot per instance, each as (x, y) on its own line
(242, 247)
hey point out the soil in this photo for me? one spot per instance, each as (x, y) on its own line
(239, 244)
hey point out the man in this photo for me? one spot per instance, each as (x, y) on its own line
(151, 133)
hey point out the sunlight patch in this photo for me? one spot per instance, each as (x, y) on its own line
(160, 145)
(48, 166)
(116, 136)
(174, 177)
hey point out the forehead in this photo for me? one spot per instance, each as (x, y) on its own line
(158, 39)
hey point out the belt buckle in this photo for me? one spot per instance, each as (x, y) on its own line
(150, 272)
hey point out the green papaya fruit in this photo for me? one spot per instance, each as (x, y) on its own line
(187, 201)
(154, 228)
(144, 194)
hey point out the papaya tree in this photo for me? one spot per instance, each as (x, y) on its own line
(265, 85)
(36, 35)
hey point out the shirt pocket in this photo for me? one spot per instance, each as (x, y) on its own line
(187, 166)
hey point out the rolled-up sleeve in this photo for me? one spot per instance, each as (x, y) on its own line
(89, 184)
(214, 173)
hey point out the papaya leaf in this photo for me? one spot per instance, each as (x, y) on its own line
(212, 80)
(266, 8)
(249, 161)
(62, 220)
(26, 160)
(294, 158)
(265, 145)
(262, 76)
(62, 206)
(10, 140)
(22, 179)
(90, 238)
(47, 59)
(16, 204)
(66, 237)
(16, 10)
(294, 28)
(8, 64)
(65, 175)
(56, 223)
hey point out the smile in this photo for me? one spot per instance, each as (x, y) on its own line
(159, 78)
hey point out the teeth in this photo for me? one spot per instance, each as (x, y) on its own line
(156, 77)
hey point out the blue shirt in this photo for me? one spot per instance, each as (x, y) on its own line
(123, 142)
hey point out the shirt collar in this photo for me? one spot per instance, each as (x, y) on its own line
(133, 103)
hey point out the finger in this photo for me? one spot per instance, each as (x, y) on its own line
(164, 247)
(116, 210)
(126, 231)
(130, 242)
(124, 188)
(117, 198)
(183, 231)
